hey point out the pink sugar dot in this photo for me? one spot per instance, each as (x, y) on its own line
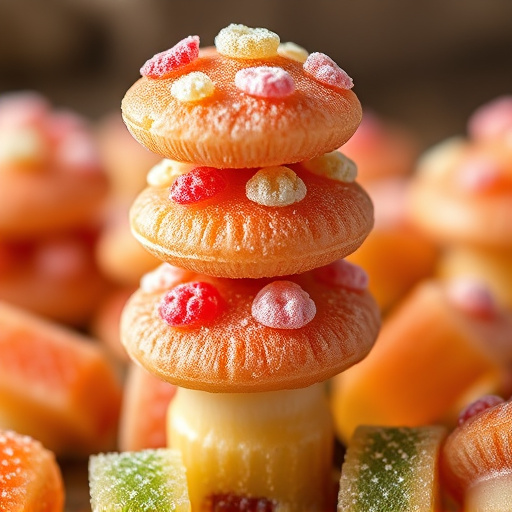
(22, 109)
(325, 70)
(491, 120)
(163, 64)
(197, 185)
(190, 305)
(265, 82)
(78, 151)
(283, 305)
(472, 297)
(343, 273)
(478, 175)
(474, 408)
(162, 278)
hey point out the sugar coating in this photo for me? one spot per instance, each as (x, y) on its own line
(471, 297)
(283, 305)
(166, 171)
(293, 51)
(343, 273)
(265, 82)
(242, 42)
(334, 165)
(145, 481)
(190, 304)
(164, 63)
(325, 70)
(194, 86)
(478, 174)
(494, 119)
(22, 145)
(162, 278)
(476, 407)
(275, 186)
(388, 468)
(20, 459)
(197, 185)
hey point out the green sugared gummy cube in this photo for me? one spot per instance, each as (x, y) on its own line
(391, 469)
(144, 481)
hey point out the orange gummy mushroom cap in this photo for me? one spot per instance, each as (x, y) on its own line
(233, 129)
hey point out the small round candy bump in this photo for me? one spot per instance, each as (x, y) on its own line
(164, 63)
(283, 305)
(275, 186)
(333, 165)
(483, 403)
(326, 71)
(293, 51)
(166, 171)
(241, 42)
(472, 297)
(343, 273)
(194, 86)
(162, 278)
(200, 184)
(265, 82)
(190, 305)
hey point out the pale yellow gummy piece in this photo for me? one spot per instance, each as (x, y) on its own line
(437, 161)
(293, 51)
(192, 87)
(241, 42)
(166, 171)
(21, 146)
(333, 165)
(275, 186)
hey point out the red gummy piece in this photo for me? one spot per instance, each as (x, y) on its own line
(265, 82)
(163, 64)
(197, 185)
(476, 407)
(325, 70)
(235, 503)
(190, 304)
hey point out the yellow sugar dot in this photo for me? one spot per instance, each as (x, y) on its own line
(333, 165)
(241, 42)
(166, 171)
(192, 87)
(275, 186)
(23, 146)
(293, 51)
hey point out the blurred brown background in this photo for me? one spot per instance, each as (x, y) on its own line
(425, 63)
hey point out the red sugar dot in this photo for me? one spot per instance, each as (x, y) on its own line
(325, 70)
(265, 82)
(190, 304)
(343, 273)
(483, 403)
(283, 305)
(472, 297)
(163, 64)
(197, 185)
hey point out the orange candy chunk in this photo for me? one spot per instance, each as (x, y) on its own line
(30, 479)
